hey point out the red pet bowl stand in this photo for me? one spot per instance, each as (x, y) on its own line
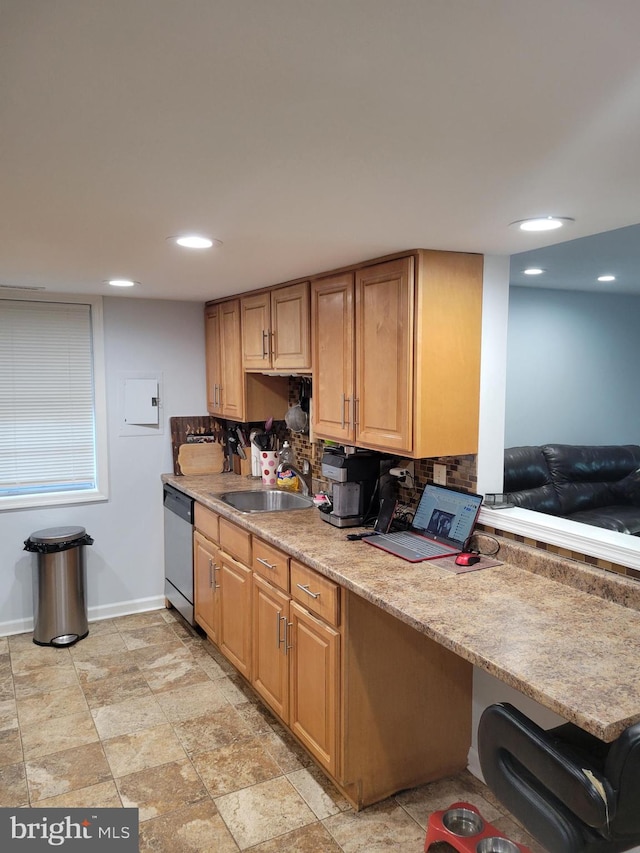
(437, 831)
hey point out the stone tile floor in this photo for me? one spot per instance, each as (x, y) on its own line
(145, 713)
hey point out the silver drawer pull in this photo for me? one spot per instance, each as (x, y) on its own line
(305, 588)
(280, 618)
(265, 563)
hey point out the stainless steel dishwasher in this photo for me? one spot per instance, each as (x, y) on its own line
(178, 551)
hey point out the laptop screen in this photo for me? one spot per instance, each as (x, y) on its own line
(446, 515)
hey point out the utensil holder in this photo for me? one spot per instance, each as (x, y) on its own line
(268, 466)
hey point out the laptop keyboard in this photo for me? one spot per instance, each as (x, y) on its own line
(415, 544)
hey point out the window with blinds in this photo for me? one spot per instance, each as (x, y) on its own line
(48, 428)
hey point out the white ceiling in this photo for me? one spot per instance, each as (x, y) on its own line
(304, 134)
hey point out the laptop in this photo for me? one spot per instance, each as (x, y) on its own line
(442, 524)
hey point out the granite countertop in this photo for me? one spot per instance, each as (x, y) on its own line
(571, 650)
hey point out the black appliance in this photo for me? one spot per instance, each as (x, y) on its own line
(353, 491)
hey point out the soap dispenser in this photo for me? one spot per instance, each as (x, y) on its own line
(286, 478)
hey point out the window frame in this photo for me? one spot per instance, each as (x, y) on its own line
(101, 490)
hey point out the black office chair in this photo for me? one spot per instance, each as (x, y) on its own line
(572, 792)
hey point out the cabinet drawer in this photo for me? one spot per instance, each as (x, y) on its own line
(271, 563)
(206, 521)
(235, 541)
(315, 592)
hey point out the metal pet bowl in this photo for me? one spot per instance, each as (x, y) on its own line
(496, 844)
(463, 822)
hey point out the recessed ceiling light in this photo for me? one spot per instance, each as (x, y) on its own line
(122, 282)
(542, 223)
(195, 241)
(533, 271)
(606, 278)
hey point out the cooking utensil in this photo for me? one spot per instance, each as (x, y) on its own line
(262, 440)
(296, 419)
(305, 394)
(297, 416)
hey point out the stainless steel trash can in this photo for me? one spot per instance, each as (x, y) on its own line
(60, 617)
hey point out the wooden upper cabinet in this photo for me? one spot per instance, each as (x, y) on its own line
(384, 355)
(231, 392)
(396, 355)
(276, 332)
(333, 333)
(447, 353)
(212, 351)
(256, 331)
(291, 327)
(225, 385)
(362, 347)
(232, 389)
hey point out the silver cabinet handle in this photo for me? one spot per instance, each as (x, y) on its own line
(211, 573)
(345, 400)
(287, 645)
(265, 343)
(216, 568)
(265, 563)
(273, 344)
(305, 588)
(280, 618)
(356, 411)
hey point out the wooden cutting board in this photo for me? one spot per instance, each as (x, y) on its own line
(205, 458)
(183, 430)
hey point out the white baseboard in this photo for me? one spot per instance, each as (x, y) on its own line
(125, 608)
(94, 614)
(473, 764)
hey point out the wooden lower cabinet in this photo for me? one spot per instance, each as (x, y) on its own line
(296, 669)
(314, 670)
(378, 705)
(234, 638)
(406, 706)
(206, 568)
(270, 659)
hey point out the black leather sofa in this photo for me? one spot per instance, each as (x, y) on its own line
(593, 484)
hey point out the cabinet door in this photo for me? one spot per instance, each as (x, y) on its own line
(314, 652)
(206, 567)
(212, 350)
(232, 379)
(384, 310)
(270, 661)
(256, 332)
(235, 613)
(333, 357)
(291, 327)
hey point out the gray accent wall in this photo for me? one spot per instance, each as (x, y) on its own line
(125, 565)
(573, 368)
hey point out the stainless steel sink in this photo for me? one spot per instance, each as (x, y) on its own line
(272, 500)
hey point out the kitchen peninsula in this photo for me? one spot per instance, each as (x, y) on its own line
(570, 642)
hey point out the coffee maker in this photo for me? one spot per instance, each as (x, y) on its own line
(354, 479)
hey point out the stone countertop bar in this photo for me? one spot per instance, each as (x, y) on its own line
(569, 638)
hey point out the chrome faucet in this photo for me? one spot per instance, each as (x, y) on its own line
(303, 476)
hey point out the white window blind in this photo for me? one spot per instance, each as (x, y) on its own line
(47, 412)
